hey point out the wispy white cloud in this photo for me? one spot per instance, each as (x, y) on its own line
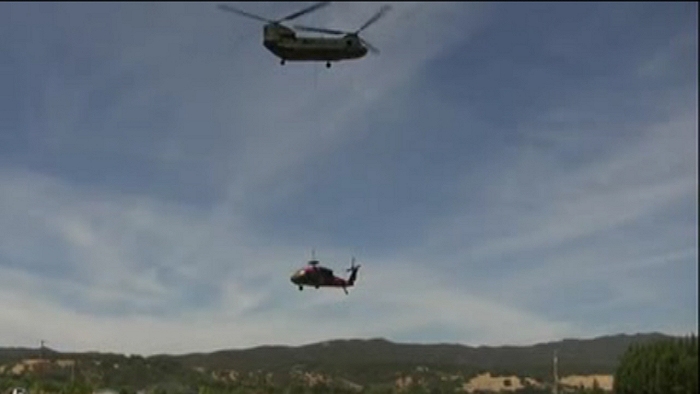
(584, 242)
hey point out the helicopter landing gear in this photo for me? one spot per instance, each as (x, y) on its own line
(301, 288)
(282, 62)
(328, 64)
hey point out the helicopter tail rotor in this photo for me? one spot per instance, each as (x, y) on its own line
(353, 271)
(352, 264)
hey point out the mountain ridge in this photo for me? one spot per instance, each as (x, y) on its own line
(363, 361)
(4, 350)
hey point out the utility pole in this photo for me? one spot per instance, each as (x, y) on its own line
(42, 358)
(555, 388)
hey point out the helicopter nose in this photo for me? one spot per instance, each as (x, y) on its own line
(295, 278)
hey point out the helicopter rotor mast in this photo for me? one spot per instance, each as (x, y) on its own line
(313, 262)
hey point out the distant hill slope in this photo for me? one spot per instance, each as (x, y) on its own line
(381, 360)
(580, 356)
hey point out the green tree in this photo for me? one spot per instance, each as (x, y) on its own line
(661, 367)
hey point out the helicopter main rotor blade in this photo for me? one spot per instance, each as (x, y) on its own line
(369, 46)
(235, 10)
(321, 30)
(305, 11)
(382, 11)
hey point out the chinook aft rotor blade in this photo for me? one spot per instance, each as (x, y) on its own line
(235, 10)
(382, 11)
(304, 11)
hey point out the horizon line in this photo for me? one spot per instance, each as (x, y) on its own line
(368, 339)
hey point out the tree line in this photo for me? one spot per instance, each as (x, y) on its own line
(661, 367)
(665, 366)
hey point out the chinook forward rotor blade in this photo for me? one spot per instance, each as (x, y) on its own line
(235, 10)
(321, 30)
(382, 11)
(369, 46)
(304, 11)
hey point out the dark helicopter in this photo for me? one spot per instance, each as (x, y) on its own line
(319, 276)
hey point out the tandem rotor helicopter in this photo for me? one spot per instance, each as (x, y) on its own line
(284, 43)
(319, 276)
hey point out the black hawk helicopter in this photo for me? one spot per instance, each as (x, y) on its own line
(318, 276)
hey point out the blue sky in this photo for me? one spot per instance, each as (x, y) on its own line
(505, 173)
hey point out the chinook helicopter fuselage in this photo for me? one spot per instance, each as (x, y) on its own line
(288, 46)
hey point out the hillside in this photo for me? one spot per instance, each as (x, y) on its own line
(598, 355)
(363, 362)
